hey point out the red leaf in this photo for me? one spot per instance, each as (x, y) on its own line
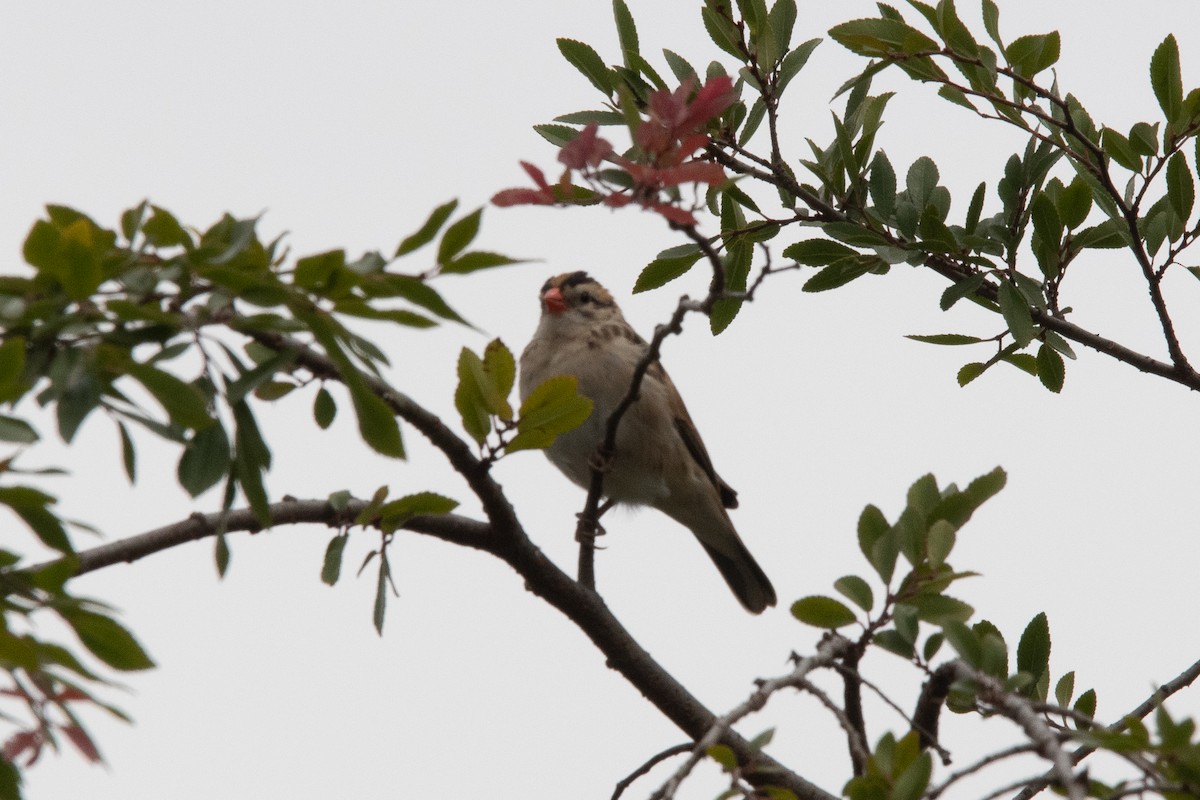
(21, 741)
(714, 97)
(692, 172)
(83, 742)
(585, 150)
(67, 695)
(538, 176)
(522, 197)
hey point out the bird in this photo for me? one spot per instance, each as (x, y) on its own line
(659, 459)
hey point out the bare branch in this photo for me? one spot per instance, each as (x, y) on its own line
(650, 764)
(831, 648)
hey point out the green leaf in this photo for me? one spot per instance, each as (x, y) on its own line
(939, 542)
(501, 369)
(912, 782)
(793, 62)
(1086, 705)
(1166, 78)
(128, 453)
(938, 609)
(376, 422)
(1065, 689)
(879, 38)
(428, 230)
(680, 67)
(183, 402)
(856, 590)
(722, 32)
(1121, 151)
(818, 252)
(16, 430)
(737, 271)
(475, 261)
(882, 185)
(1180, 188)
(822, 612)
(32, 507)
(953, 339)
(381, 587)
(1015, 311)
(1033, 651)
(662, 270)
(205, 460)
(965, 642)
(393, 515)
(893, 642)
(921, 180)
(588, 62)
(331, 567)
(107, 640)
(626, 29)
(1074, 203)
(324, 408)
(458, 236)
(315, 272)
(1050, 368)
(841, 272)
(969, 372)
(553, 408)
(1031, 54)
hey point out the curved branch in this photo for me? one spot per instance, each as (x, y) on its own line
(582, 606)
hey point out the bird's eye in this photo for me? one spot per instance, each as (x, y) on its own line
(585, 297)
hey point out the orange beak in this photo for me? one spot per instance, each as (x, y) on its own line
(553, 300)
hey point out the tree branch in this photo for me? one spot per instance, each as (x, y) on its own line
(1180, 681)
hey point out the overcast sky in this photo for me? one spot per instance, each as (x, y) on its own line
(346, 125)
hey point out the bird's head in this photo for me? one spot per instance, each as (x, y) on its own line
(574, 291)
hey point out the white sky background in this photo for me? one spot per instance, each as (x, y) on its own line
(347, 126)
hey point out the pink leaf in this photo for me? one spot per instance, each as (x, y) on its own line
(533, 172)
(83, 742)
(714, 97)
(585, 150)
(522, 197)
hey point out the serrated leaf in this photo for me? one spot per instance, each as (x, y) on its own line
(1120, 150)
(1017, 316)
(1051, 369)
(424, 235)
(1033, 651)
(1086, 705)
(882, 185)
(1180, 188)
(822, 612)
(553, 408)
(501, 369)
(1033, 53)
(1166, 78)
(661, 270)
(841, 272)
(585, 59)
(1065, 689)
(626, 29)
(818, 252)
(856, 590)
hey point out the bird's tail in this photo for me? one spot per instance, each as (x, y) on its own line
(743, 574)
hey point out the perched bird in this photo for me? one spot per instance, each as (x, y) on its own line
(659, 459)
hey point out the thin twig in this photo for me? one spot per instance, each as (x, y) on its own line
(1180, 681)
(830, 649)
(650, 764)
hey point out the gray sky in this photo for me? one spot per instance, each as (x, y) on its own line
(347, 126)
